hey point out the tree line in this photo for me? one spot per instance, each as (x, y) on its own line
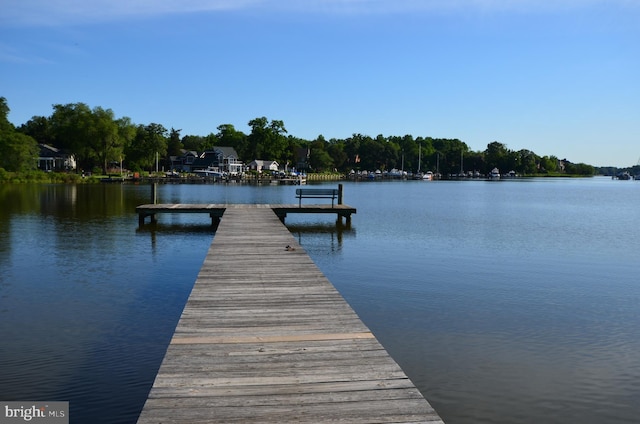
(98, 139)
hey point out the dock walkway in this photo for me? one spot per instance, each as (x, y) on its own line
(265, 337)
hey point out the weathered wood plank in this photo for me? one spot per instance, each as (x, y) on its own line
(265, 337)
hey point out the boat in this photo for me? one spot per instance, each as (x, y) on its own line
(419, 175)
(494, 174)
(625, 176)
(208, 173)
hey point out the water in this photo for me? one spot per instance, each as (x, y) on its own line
(505, 302)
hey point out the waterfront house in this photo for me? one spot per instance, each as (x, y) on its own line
(221, 159)
(264, 165)
(53, 159)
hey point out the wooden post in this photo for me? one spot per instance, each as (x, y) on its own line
(339, 194)
(154, 193)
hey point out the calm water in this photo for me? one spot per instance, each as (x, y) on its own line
(505, 302)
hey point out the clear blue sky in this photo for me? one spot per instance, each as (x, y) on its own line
(557, 77)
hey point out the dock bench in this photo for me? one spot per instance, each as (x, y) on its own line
(318, 193)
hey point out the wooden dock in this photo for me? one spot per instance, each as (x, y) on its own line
(216, 211)
(266, 338)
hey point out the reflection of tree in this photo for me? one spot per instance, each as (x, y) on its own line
(63, 213)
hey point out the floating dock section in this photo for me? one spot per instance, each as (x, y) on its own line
(266, 338)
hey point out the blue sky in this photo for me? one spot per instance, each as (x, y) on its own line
(559, 78)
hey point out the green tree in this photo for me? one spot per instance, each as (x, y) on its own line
(451, 154)
(426, 153)
(228, 136)
(174, 145)
(371, 153)
(95, 137)
(579, 169)
(548, 164)
(149, 143)
(18, 152)
(497, 156)
(319, 158)
(267, 140)
(339, 157)
(352, 150)
(194, 143)
(104, 137)
(5, 125)
(70, 129)
(39, 128)
(528, 162)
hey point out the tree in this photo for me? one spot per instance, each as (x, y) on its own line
(548, 164)
(149, 142)
(5, 125)
(319, 158)
(174, 145)
(579, 169)
(338, 155)
(95, 137)
(528, 162)
(194, 142)
(104, 137)
(267, 140)
(451, 153)
(497, 156)
(18, 152)
(69, 126)
(228, 136)
(39, 128)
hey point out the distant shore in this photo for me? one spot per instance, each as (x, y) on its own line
(143, 178)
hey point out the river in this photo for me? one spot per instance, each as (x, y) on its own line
(505, 302)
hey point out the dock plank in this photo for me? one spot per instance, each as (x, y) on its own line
(265, 337)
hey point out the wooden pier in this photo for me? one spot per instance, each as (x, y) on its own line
(216, 211)
(266, 338)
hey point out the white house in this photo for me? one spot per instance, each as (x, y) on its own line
(264, 165)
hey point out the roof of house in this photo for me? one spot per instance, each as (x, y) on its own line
(50, 151)
(263, 162)
(226, 151)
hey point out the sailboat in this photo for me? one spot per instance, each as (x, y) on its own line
(427, 176)
(461, 174)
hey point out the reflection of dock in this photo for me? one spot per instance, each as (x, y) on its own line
(330, 233)
(265, 337)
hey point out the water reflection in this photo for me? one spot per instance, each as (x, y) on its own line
(87, 308)
(153, 231)
(503, 302)
(329, 236)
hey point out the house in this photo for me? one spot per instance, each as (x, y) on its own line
(264, 165)
(221, 159)
(53, 159)
(228, 160)
(184, 161)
